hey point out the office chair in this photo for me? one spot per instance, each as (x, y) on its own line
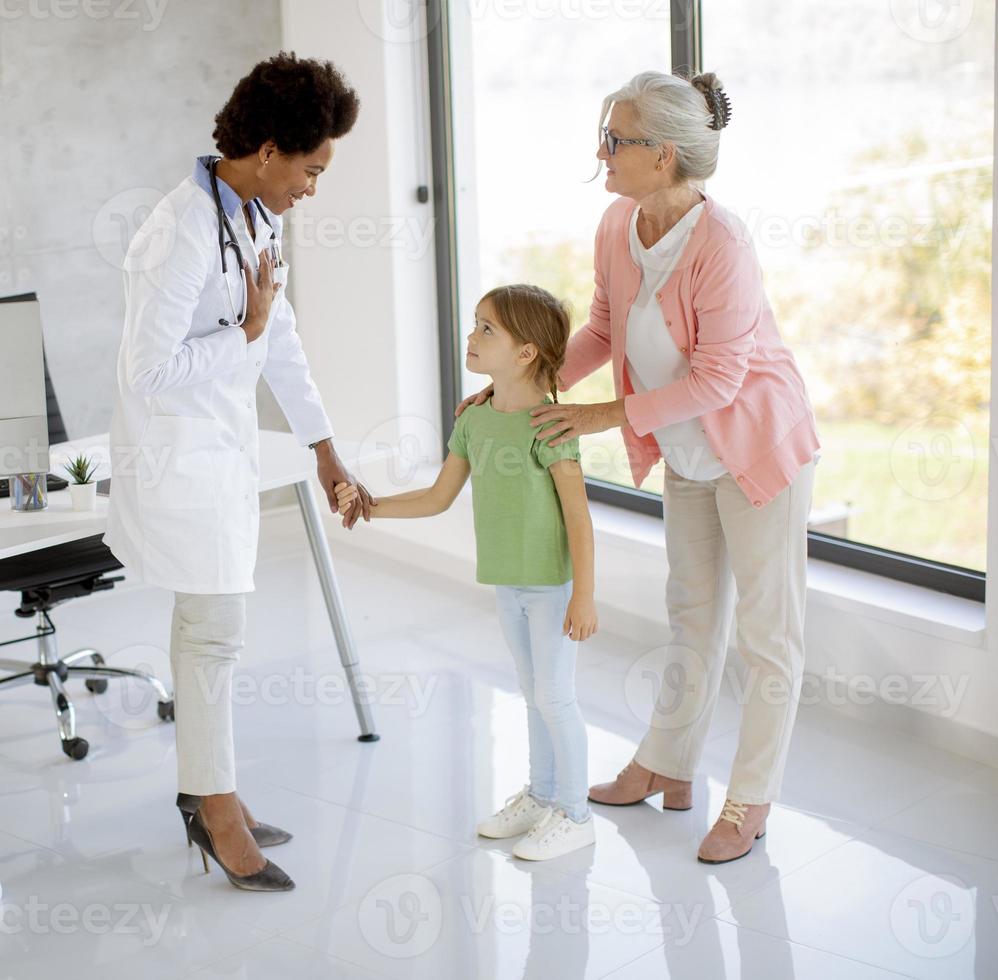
(45, 578)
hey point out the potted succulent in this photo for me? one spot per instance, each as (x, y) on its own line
(82, 487)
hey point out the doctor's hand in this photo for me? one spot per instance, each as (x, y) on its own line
(332, 473)
(260, 293)
(349, 502)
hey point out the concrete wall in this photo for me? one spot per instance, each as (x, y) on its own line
(104, 107)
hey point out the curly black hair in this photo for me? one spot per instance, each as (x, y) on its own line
(297, 102)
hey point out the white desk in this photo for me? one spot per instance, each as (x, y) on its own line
(283, 463)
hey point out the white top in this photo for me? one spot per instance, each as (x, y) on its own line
(654, 360)
(184, 510)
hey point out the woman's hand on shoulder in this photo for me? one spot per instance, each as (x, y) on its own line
(571, 421)
(480, 399)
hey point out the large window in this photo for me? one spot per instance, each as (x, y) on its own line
(860, 157)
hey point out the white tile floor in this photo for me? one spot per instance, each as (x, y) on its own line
(881, 859)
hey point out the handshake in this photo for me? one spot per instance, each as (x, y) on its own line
(346, 494)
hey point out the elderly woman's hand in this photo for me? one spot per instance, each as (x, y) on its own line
(570, 421)
(479, 399)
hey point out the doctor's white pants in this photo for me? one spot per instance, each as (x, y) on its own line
(727, 557)
(206, 637)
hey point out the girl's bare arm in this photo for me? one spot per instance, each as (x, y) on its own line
(416, 503)
(580, 619)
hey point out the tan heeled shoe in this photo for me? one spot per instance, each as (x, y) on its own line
(738, 827)
(634, 783)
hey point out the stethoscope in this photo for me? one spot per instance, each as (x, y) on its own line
(225, 227)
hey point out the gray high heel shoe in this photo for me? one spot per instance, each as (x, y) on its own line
(270, 878)
(265, 834)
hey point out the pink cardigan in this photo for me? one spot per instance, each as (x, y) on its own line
(743, 384)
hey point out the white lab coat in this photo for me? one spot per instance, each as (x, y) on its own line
(184, 509)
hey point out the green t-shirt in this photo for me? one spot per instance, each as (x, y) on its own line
(519, 528)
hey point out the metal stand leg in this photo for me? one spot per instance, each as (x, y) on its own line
(82, 655)
(334, 605)
(64, 713)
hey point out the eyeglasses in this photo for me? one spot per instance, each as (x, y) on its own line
(612, 142)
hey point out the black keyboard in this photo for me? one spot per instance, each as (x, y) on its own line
(52, 482)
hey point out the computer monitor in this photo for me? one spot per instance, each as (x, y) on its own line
(24, 437)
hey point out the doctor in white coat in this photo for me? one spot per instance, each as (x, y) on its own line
(184, 512)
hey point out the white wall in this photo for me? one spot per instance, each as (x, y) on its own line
(363, 283)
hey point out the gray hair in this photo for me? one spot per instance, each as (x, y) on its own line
(687, 113)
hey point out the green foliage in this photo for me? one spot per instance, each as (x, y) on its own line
(81, 469)
(899, 305)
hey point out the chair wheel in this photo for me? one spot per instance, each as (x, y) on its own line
(76, 748)
(96, 687)
(165, 710)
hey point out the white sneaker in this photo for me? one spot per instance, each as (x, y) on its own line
(519, 814)
(553, 835)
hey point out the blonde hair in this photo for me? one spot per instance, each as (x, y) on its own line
(688, 113)
(533, 316)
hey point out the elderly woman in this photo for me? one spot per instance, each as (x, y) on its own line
(704, 381)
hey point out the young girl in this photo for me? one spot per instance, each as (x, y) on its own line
(533, 532)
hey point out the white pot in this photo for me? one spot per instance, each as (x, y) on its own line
(84, 496)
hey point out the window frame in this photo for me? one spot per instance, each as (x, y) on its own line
(686, 48)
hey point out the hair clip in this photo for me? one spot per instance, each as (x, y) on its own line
(719, 104)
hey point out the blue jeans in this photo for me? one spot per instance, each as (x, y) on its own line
(531, 617)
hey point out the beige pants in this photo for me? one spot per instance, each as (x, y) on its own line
(205, 640)
(718, 542)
